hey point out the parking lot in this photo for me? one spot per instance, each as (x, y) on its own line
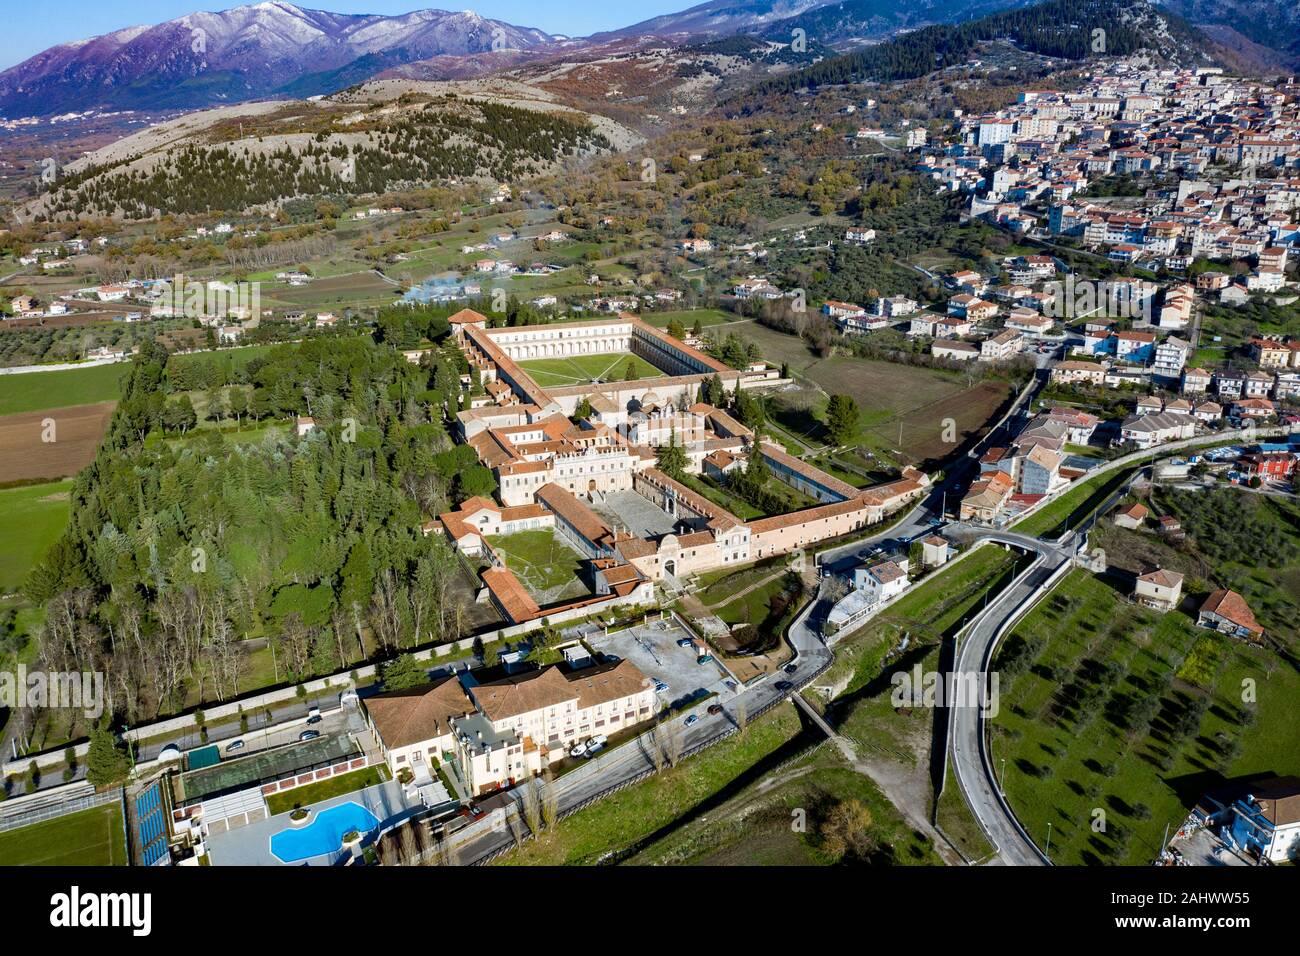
(653, 648)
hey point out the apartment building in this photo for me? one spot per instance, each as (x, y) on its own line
(525, 722)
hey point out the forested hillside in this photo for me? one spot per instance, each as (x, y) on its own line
(448, 138)
(1060, 28)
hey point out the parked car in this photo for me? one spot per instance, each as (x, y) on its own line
(234, 745)
(313, 716)
(309, 735)
(783, 685)
(791, 667)
(660, 686)
(692, 719)
(715, 709)
(578, 750)
(595, 745)
(704, 659)
(686, 642)
(730, 685)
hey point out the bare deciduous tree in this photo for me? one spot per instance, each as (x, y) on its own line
(550, 798)
(530, 805)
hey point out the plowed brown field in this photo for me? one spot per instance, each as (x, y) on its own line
(77, 431)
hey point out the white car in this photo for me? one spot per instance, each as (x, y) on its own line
(579, 750)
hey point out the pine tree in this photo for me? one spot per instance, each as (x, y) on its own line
(106, 765)
(841, 418)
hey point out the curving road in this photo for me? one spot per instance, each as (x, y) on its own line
(968, 739)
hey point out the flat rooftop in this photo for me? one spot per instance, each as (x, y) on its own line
(263, 766)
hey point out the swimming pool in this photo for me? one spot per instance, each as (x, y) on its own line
(322, 835)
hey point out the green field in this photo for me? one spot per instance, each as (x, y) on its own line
(754, 827)
(546, 566)
(33, 517)
(929, 611)
(645, 808)
(902, 409)
(88, 838)
(581, 369)
(688, 318)
(934, 611)
(37, 391)
(717, 586)
(1105, 706)
(754, 607)
(1074, 506)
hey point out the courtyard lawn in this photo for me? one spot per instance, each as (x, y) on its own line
(581, 369)
(33, 517)
(93, 837)
(708, 488)
(37, 391)
(326, 789)
(1109, 707)
(541, 560)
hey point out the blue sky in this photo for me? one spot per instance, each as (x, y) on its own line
(33, 27)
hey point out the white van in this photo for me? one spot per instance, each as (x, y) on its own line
(596, 744)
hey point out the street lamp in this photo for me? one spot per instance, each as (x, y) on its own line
(1002, 782)
(1048, 851)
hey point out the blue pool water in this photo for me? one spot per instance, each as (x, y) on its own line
(324, 834)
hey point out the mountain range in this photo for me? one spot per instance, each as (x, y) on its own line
(276, 49)
(265, 49)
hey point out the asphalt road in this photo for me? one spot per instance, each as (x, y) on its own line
(968, 737)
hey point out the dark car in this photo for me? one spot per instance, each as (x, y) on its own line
(791, 668)
(783, 685)
(309, 735)
(715, 709)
